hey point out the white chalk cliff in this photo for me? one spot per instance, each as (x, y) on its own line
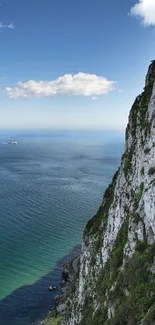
(116, 281)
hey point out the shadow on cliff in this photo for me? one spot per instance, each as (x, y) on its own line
(30, 304)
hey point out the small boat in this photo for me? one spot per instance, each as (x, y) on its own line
(51, 288)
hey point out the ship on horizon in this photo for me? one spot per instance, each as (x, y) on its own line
(12, 142)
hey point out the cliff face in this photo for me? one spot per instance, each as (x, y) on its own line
(116, 282)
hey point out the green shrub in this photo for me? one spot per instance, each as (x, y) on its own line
(151, 171)
(138, 196)
(135, 217)
(147, 150)
(127, 166)
(116, 259)
(102, 214)
(141, 246)
(150, 317)
(100, 316)
(140, 283)
(142, 171)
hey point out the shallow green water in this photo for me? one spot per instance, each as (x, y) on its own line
(50, 186)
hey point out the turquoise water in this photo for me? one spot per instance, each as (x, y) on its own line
(51, 184)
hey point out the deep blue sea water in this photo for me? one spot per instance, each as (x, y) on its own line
(50, 185)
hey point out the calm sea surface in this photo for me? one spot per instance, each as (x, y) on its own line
(50, 185)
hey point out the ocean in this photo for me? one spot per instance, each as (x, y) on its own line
(51, 184)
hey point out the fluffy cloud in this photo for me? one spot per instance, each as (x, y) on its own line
(145, 9)
(10, 26)
(81, 84)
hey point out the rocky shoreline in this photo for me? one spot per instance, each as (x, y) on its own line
(69, 273)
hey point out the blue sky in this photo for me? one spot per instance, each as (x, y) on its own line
(104, 50)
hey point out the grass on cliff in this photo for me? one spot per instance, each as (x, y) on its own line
(52, 321)
(94, 224)
(138, 115)
(133, 292)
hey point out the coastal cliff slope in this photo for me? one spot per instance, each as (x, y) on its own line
(116, 280)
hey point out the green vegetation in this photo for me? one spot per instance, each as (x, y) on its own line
(141, 246)
(98, 223)
(150, 317)
(133, 118)
(147, 150)
(127, 166)
(87, 310)
(146, 96)
(138, 115)
(137, 279)
(126, 283)
(151, 171)
(116, 259)
(94, 224)
(106, 279)
(140, 283)
(135, 217)
(138, 196)
(142, 171)
(52, 321)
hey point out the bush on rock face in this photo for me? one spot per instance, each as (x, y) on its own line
(151, 171)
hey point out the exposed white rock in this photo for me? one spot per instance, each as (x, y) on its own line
(138, 184)
(111, 311)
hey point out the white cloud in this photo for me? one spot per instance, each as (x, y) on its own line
(2, 25)
(81, 84)
(10, 26)
(94, 98)
(145, 9)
